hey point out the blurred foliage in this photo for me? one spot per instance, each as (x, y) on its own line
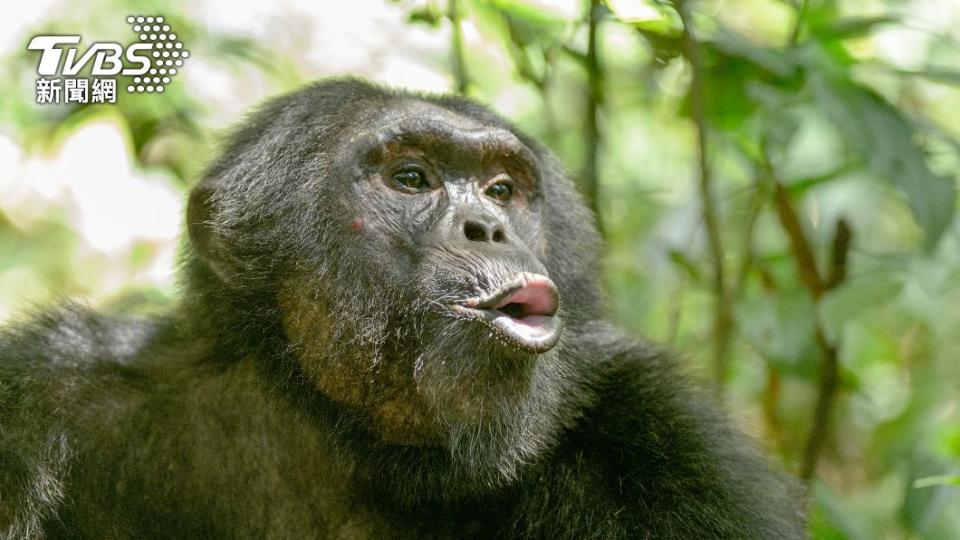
(777, 191)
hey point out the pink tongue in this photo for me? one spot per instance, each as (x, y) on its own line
(537, 297)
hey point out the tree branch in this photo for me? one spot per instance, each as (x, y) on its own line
(723, 322)
(590, 175)
(803, 255)
(799, 245)
(830, 362)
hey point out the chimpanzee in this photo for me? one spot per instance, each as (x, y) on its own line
(390, 325)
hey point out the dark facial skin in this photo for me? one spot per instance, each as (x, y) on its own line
(447, 211)
(442, 192)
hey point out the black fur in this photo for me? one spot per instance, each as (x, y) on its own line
(309, 386)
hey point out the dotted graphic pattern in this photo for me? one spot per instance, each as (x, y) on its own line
(167, 55)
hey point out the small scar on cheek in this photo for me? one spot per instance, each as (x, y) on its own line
(357, 224)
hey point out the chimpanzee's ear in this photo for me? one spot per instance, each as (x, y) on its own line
(206, 234)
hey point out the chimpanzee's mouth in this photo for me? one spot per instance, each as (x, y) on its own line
(522, 310)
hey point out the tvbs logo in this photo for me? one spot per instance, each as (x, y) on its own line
(152, 61)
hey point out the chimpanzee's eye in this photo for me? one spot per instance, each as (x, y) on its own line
(501, 191)
(411, 179)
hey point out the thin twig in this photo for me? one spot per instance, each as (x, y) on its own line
(838, 255)
(723, 315)
(799, 246)
(798, 23)
(590, 176)
(771, 401)
(458, 60)
(749, 258)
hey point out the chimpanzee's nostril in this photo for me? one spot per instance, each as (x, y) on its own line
(474, 232)
(498, 236)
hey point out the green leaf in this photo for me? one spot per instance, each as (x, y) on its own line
(527, 14)
(733, 44)
(525, 25)
(737, 72)
(427, 15)
(942, 480)
(945, 76)
(921, 507)
(663, 27)
(797, 187)
(779, 327)
(666, 25)
(683, 262)
(853, 299)
(883, 138)
(851, 27)
(664, 46)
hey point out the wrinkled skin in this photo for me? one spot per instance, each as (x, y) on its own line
(391, 326)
